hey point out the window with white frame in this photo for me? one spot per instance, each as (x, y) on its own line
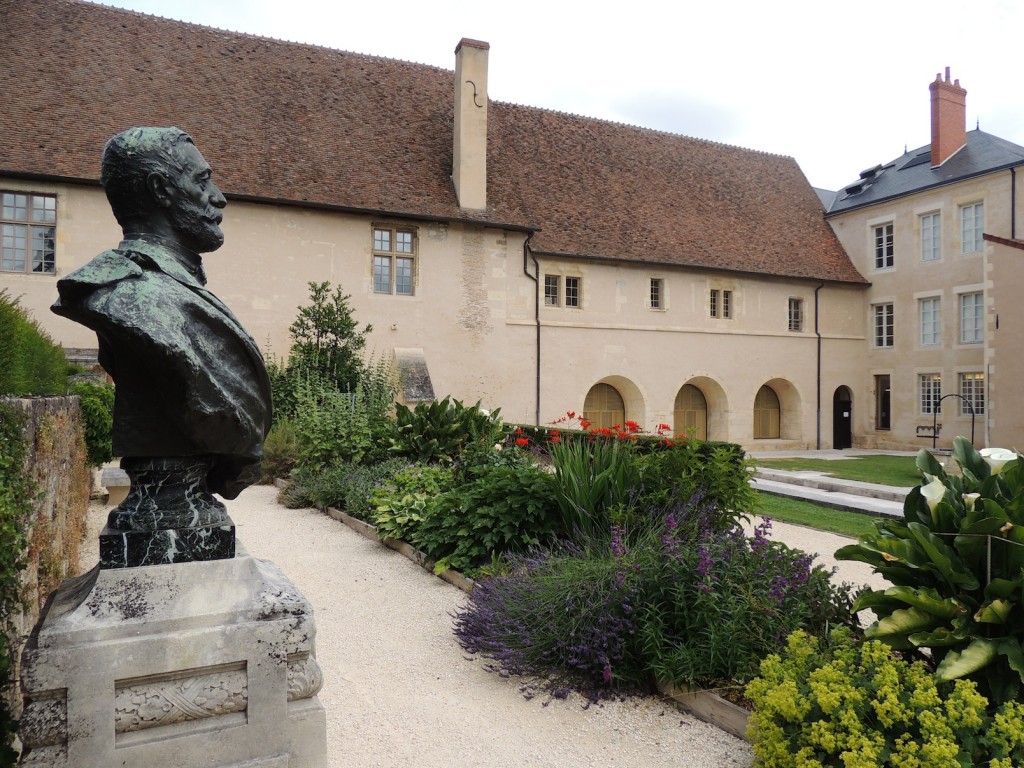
(931, 321)
(930, 385)
(28, 231)
(972, 390)
(552, 283)
(394, 261)
(931, 237)
(972, 227)
(726, 304)
(573, 291)
(796, 314)
(972, 318)
(884, 246)
(714, 301)
(657, 299)
(882, 321)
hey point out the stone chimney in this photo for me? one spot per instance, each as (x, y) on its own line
(469, 158)
(949, 118)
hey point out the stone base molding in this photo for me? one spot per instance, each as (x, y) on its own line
(195, 665)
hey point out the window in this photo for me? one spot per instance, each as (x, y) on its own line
(551, 283)
(393, 261)
(656, 293)
(972, 226)
(931, 237)
(604, 407)
(931, 322)
(721, 303)
(883, 246)
(972, 327)
(690, 413)
(883, 325)
(767, 414)
(930, 385)
(796, 314)
(573, 291)
(883, 402)
(28, 226)
(972, 390)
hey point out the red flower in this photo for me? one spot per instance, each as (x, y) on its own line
(667, 443)
(571, 414)
(556, 439)
(664, 428)
(519, 431)
(522, 442)
(632, 426)
(584, 424)
(616, 427)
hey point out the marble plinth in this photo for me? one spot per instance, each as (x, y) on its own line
(192, 665)
(168, 516)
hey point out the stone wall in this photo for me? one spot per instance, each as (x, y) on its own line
(57, 465)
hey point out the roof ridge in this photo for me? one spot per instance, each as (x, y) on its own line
(642, 128)
(253, 36)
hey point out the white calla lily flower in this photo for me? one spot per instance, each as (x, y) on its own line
(969, 499)
(933, 493)
(997, 458)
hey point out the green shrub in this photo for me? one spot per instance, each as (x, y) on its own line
(503, 508)
(30, 362)
(439, 431)
(595, 478)
(280, 451)
(350, 486)
(956, 561)
(398, 504)
(849, 705)
(16, 506)
(97, 404)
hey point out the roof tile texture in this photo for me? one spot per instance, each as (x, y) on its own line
(298, 123)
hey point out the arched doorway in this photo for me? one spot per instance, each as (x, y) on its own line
(690, 413)
(842, 418)
(604, 407)
(767, 414)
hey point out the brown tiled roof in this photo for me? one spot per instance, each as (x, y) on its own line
(303, 124)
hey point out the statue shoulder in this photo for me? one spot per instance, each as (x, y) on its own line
(109, 267)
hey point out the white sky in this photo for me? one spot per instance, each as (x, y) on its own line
(840, 86)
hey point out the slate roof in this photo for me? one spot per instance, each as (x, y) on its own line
(301, 124)
(912, 171)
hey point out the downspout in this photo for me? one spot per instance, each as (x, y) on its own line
(536, 315)
(1013, 203)
(817, 332)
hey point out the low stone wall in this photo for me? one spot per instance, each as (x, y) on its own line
(57, 465)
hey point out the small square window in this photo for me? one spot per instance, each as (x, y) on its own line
(573, 292)
(394, 262)
(28, 233)
(551, 286)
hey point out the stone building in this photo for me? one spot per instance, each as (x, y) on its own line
(537, 261)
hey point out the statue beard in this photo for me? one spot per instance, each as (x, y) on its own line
(197, 227)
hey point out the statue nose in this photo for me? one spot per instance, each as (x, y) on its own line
(218, 199)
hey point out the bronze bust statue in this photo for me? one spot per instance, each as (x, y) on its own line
(192, 404)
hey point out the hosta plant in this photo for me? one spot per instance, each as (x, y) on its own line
(956, 562)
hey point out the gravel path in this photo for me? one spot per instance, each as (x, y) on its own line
(400, 691)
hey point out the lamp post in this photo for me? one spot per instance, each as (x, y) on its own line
(938, 408)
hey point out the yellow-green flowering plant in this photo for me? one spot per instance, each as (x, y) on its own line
(841, 703)
(956, 563)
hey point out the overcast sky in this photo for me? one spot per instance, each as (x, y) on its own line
(840, 86)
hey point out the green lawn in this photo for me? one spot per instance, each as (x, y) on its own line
(884, 469)
(822, 518)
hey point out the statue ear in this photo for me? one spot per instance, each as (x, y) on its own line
(160, 188)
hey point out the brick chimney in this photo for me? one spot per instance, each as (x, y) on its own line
(469, 158)
(949, 118)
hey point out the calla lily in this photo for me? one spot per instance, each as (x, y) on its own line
(933, 493)
(996, 458)
(969, 499)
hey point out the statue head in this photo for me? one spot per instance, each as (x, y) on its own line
(158, 183)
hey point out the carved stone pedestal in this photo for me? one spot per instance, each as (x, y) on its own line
(192, 665)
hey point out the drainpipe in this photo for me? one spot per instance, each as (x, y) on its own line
(817, 333)
(1013, 203)
(536, 314)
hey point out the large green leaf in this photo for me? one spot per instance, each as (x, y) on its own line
(941, 637)
(979, 654)
(971, 463)
(928, 464)
(943, 557)
(994, 612)
(927, 599)
(899, 624)
(1010, 648)
(1004, 588)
